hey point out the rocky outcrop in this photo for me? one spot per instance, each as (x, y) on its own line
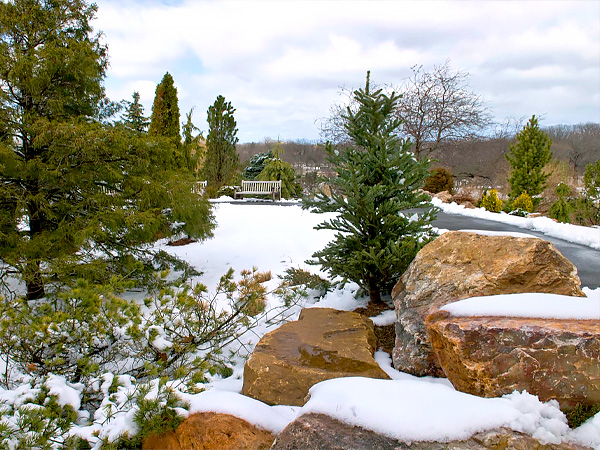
(321, 432)
(322, 344)
(211, 431)
(493, 356)
(459, 265)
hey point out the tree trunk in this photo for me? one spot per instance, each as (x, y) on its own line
(33, 281)
(33, 276)
(374, 293)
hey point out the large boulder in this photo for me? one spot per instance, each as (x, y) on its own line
(459, 265)
(211, 431)
(322, 344)
(321, 432)
(492, 356)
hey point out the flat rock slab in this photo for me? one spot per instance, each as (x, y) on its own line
(492, 356)
(322, 344)
(458, 265)
(321, 432)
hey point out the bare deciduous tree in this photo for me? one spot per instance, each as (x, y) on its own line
(437, 107)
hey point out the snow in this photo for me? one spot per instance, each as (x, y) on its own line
(532, 305)
(270, 418)
(589, 236)
(279, 236)
(385, 318)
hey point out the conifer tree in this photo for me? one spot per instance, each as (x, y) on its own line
(377, 178)
(276, 169)
(527, 157)
(134, 118)
(164, 120)
(222, 160)
(80, 198)
(191, 147)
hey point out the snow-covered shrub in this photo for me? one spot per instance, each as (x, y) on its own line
(491, 202)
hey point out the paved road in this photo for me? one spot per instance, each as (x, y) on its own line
(586, 259)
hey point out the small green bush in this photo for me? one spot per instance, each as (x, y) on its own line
(562, 208)
(523, 202)
(581, 413)
(491, 202)
(439, 180)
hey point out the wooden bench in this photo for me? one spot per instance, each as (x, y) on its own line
(271, 188)
(199, 188)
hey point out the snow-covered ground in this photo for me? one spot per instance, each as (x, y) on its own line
(275, 238)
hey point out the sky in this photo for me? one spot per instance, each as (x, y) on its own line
(283, 64)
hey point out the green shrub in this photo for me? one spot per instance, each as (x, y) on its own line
(491, 202)
(523, 202)
(439, 180)
(581, 413)
(562, 208)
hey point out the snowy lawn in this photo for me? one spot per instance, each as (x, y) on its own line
(275, 238)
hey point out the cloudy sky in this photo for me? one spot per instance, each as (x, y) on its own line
(282, 63)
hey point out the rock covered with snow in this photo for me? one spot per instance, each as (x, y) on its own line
(555, 359)
(211, 431)
(458, 265)
(322, 432)
(322, 344)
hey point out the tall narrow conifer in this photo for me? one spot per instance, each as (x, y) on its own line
(165, 117)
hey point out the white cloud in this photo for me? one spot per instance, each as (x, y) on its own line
(281, 63)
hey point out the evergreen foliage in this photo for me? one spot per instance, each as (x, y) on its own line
(91, 194)
(222, 160)
(164, 120)
(134, 118)
(377, 178)
(527, 157)
(439, 180)
(491, 202)
(562, 209)
(277, 169)
(191, 146)
(523, 202)
(256, 165)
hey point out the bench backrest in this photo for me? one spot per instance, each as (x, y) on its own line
(261, 186)
(199, 187)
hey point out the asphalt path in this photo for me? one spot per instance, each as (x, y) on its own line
(586, 259)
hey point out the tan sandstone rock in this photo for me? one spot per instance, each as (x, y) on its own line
(322, 344)
(212, 431)
(492, 356)
(321, 432)
(459, 265)
(444, 196)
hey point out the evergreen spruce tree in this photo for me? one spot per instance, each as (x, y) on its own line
(164, 120)
(134, 118)
(222, 160)
(527, 158)
(256, 165)
(92, 195)
(377, 178)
